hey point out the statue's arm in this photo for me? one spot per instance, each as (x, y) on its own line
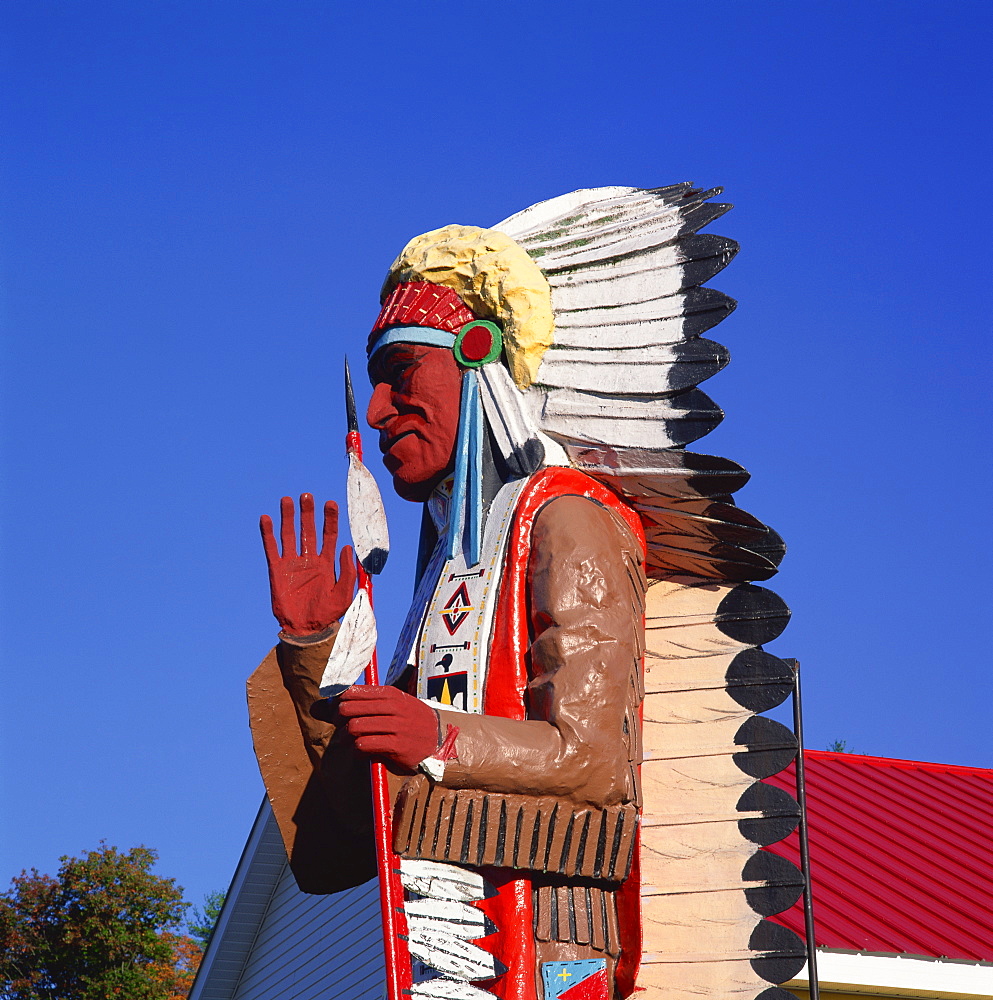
(585, 604)
(317, 785)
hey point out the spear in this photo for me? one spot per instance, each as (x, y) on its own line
(367, 522)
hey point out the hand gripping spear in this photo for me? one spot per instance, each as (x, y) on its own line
(367, 522)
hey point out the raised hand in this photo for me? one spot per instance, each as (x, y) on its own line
(307, 596)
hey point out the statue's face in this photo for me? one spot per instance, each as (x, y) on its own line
(415, 408)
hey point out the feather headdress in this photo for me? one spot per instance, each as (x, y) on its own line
(615, 383)
(617, 391)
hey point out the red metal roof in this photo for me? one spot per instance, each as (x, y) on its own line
(901, 855)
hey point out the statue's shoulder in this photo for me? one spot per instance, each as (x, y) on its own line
(572, 501)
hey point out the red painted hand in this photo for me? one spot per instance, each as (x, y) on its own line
(389, 724)
(306, 595)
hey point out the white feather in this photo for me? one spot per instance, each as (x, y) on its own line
(639, 371)
(608, 228)
(450, 915)
(555, 454)
(353, 647)
(606, 430)
(440, 881)
(613, 313)
(540, 216)
(366, 515)
(506, 409)
(583, 417)
(595, 287)
(669, 330)
(659, 258)
(594, 210)
(449, 954)
(594, 247)
(634, 463)
(448, 989)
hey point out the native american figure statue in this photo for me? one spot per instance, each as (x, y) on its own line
(569, 720)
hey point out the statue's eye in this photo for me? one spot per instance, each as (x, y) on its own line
(398, 369)
(390, 369)
(399, 365)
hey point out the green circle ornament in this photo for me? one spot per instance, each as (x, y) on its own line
(478, 343)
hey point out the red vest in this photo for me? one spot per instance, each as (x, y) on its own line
(504, 694)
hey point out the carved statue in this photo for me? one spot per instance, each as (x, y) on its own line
(534, 386)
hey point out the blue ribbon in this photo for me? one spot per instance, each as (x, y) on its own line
(412, 335)
(466, 515)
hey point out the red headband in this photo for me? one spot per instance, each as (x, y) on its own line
(422, 303)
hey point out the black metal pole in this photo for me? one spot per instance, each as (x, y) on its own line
(801, 796)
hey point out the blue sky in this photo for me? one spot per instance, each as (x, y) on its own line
(199, 205)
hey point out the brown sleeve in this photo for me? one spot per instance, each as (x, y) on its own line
(586, 605)
(317, 785)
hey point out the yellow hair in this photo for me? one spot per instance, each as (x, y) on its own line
(495, 278)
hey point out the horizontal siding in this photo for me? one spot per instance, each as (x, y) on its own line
(316, 947)
(256, 879)
(274, 942)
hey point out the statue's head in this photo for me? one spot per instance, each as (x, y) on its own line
(599, 300)
(455, 299)
(415, 408)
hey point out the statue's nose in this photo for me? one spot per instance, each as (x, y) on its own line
(380, 406)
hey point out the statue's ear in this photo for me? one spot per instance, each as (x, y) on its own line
(478, 343)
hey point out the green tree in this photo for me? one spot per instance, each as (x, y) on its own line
(841, 746)
(103, 927)
(201, 926)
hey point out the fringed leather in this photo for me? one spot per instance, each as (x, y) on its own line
(579, 914)
(531, 833)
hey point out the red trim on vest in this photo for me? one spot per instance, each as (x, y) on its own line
(504, 695)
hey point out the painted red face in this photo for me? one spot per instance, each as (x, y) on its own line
(415, 408)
